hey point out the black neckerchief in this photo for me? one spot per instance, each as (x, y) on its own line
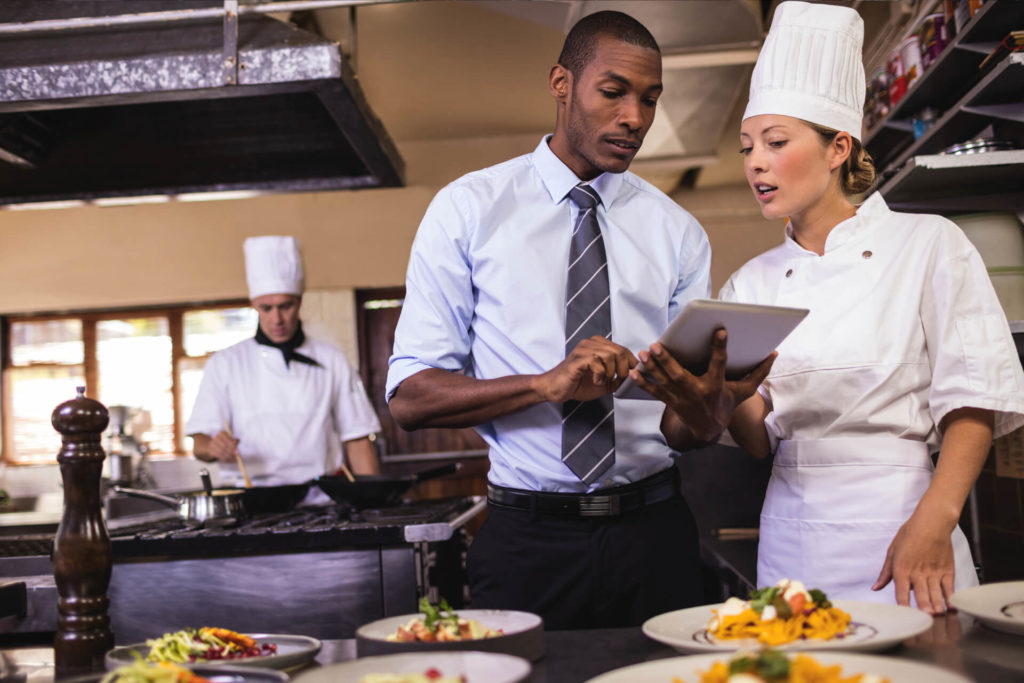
(288, 347)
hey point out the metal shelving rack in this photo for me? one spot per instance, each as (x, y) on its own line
(914, 176)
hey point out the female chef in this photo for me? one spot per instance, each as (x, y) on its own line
(905, 352)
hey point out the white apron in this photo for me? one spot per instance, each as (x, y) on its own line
(833, 507)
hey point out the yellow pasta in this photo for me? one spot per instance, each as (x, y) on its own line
(781, 614)
(802, 669)
(820, 623)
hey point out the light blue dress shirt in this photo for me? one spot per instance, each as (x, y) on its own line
(485, 295)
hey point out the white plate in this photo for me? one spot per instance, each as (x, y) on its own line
(875, 626)
(292, 651)
(523, 635)
(997, 605)
(689, 668)
(216, 674)
(476, 667)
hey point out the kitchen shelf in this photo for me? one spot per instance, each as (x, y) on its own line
(989, 181)
(995, 99)
(944, 83)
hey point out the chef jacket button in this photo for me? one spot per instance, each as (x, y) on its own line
(789, 273)
(866, 254)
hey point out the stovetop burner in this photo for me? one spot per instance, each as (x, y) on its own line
(306, 528)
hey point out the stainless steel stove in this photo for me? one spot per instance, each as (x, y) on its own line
(321, 571)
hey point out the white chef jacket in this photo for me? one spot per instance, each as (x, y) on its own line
(289, 420)
(904, 327)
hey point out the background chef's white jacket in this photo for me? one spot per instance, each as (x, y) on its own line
(904, 327)
(289, 420)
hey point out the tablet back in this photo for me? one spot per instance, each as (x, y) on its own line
(754, 332)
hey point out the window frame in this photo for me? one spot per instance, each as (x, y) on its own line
(175, 315)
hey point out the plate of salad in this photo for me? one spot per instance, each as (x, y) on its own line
(440, 628)
(213, 646)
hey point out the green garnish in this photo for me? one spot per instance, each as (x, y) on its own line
(769, 665)
(762, 597)
(819, 599)
(433, 616)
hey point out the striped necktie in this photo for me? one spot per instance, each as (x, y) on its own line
(588, 427)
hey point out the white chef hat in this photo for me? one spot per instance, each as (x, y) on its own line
(273, 265)
(810, 67)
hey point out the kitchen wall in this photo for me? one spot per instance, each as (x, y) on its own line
(105, 257)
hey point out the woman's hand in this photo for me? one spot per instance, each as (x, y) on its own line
(920, 559)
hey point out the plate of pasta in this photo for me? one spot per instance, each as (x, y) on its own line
(788, 667)
(996, 605)
(787, 616)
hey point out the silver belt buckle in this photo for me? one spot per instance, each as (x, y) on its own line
(599, 506)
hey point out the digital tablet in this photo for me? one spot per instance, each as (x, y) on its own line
(754, 332)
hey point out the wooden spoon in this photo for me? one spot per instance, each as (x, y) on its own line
(238, 458)
(348, 473)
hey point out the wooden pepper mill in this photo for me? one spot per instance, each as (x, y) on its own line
(82, 555)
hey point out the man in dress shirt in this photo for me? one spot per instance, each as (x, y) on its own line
(291, 405)
(481, 342)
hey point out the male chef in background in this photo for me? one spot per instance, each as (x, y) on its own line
(291, 406)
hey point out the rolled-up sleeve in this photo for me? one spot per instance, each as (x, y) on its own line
(970, 347)
(434, 329)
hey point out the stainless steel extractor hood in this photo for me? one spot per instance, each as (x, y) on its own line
(229, 103)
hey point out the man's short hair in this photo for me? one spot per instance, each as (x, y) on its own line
(580, 44)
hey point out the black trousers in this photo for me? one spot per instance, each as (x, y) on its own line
(580, 572)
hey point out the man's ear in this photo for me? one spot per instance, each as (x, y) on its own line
(559, 83)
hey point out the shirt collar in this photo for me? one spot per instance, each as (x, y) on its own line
(873, 208)
(559, 179)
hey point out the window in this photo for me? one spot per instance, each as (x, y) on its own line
(150, 361)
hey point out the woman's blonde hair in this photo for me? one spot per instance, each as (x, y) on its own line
(858, 171)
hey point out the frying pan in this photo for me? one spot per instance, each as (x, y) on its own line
(272, 499)
(375, 490)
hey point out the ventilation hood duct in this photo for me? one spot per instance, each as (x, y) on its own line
(165, 109)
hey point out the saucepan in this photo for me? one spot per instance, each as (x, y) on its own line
(374, 490)
(208, 507)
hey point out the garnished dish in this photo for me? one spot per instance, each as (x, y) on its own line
(146, 672)
(772, 666)
(205, 644)
(441, 624)
(780, 614)
(431, 675)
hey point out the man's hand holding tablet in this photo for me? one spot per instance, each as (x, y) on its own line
(754, 331)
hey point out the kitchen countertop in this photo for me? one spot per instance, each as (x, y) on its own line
(955, 642)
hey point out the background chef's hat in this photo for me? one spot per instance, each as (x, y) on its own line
(273, 265)
(810, 67)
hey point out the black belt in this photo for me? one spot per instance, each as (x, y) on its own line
(607, 503)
